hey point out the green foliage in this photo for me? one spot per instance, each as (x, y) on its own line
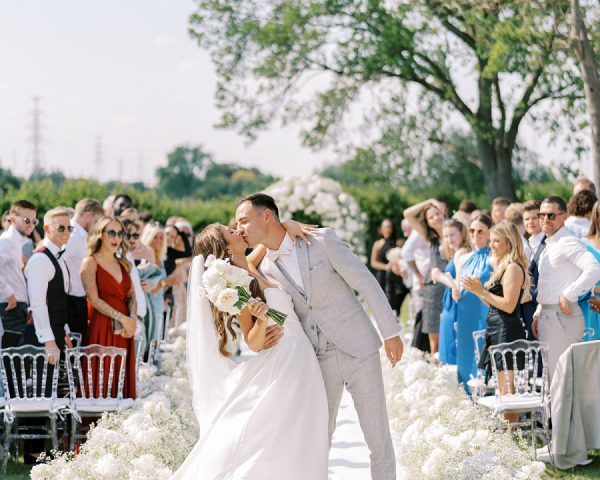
(7, 180)
(514, 53)
(191, 172)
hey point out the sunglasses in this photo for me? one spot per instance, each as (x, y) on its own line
(29, 221)
(62, 228)
(478, 231)
(550, 216)
(114, 234)
(135, 236)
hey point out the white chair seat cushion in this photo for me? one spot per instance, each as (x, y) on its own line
(511, 402)
(36, 405)
(99, 405)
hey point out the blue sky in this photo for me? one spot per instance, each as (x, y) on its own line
(127, 71)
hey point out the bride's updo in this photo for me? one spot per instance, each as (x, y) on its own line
(211, 241)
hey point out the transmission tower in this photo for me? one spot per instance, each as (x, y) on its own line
(36, 136)
(98, 157)
(120, 170)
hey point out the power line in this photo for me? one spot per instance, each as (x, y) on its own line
(36, 136)
(98, 161)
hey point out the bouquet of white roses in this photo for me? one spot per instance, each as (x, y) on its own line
(394, 255)
(227, 288)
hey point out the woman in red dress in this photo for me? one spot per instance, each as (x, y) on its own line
(110, 294)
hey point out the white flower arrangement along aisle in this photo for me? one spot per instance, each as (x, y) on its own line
(438, 432)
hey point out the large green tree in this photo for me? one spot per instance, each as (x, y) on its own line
(490, 62)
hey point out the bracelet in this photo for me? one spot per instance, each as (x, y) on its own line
(116, 314)
(484, 294)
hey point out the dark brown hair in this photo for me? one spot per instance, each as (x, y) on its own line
(581, 203)
(211, 241)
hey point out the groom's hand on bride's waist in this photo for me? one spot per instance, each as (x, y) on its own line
(394, 348)
(272, 336)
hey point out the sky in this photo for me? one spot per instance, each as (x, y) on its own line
(122, 81)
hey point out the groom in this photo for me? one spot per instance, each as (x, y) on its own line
(321, 278)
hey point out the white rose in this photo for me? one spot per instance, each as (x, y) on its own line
(226, 301)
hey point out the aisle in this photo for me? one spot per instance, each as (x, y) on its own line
(349, 456)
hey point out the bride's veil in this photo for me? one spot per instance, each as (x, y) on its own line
(207, 368)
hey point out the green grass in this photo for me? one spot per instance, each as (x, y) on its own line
(579, 473)
(16, 471)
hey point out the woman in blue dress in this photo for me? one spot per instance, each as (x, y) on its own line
(471, 312)
(455, 241)
(590, 303)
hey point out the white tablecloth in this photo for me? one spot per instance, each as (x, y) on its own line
(575, 404)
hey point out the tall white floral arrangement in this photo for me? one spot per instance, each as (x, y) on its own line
(323, 197)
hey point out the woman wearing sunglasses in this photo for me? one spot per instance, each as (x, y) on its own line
(111, 296)
(471, 312)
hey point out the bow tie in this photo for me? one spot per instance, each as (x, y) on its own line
(60, 253)
(275, 254)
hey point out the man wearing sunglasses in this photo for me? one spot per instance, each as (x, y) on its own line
(13, 289)
(87, 212)
(566, 271)
(48, 283)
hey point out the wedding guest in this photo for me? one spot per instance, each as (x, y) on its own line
(584, 184)
(129, 214)
(140, 253)
(47, 285)
(416, 254)
(580, 211)
(499, 206)
(178, 247)
(171, 221)
(514, 214)
(121, 203)
(5, 222)
(145, 218)
(471, 312)
(154, 238)
(179, 254)
(590, 303)
(14, 298)
(455, 243)
(107, 205)
(381, 247)
(503, 293)
(110, 292)
(430, 228)
(536, 239)
(87, 213)
(567, 271)
(465, 209)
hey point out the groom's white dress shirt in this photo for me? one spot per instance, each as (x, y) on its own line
(287, 258)
(75, 252)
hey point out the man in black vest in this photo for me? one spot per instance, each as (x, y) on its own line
(536, 239)
(48, 283)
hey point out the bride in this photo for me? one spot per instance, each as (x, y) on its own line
(263, 419)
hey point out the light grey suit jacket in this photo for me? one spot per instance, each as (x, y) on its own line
(327, 307)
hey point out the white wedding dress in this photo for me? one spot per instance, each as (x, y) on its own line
(263, 419)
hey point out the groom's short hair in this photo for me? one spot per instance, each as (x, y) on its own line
(262, 201)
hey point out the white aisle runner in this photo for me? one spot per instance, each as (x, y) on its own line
(349, 455)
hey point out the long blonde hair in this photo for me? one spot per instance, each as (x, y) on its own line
(150, 231)
(514, 254)
(211, 241)
(95, 241)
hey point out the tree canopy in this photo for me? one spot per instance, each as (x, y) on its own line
(490, 62)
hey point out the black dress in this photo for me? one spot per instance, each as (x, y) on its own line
(382, 257)
(502, 327)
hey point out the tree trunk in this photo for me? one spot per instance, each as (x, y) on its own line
(591, 81)
(497, 168)
(496, 161)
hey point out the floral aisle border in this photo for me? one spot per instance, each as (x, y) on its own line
(438, 432)
(146, 442)
(316, 195)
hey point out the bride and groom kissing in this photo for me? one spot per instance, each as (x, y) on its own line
(274, 416)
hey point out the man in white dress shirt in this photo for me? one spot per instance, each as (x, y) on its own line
(48, 283)
(566, 271)
(13, 289)
(87, 213)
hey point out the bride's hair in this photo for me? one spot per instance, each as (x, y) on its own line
(211, 241)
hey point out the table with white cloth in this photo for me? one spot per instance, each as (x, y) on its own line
(575, 404)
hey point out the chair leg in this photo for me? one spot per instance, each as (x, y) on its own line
(74, 432)
(6, 443)
(53, 433)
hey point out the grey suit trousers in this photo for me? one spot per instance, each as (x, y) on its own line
(363, 379)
